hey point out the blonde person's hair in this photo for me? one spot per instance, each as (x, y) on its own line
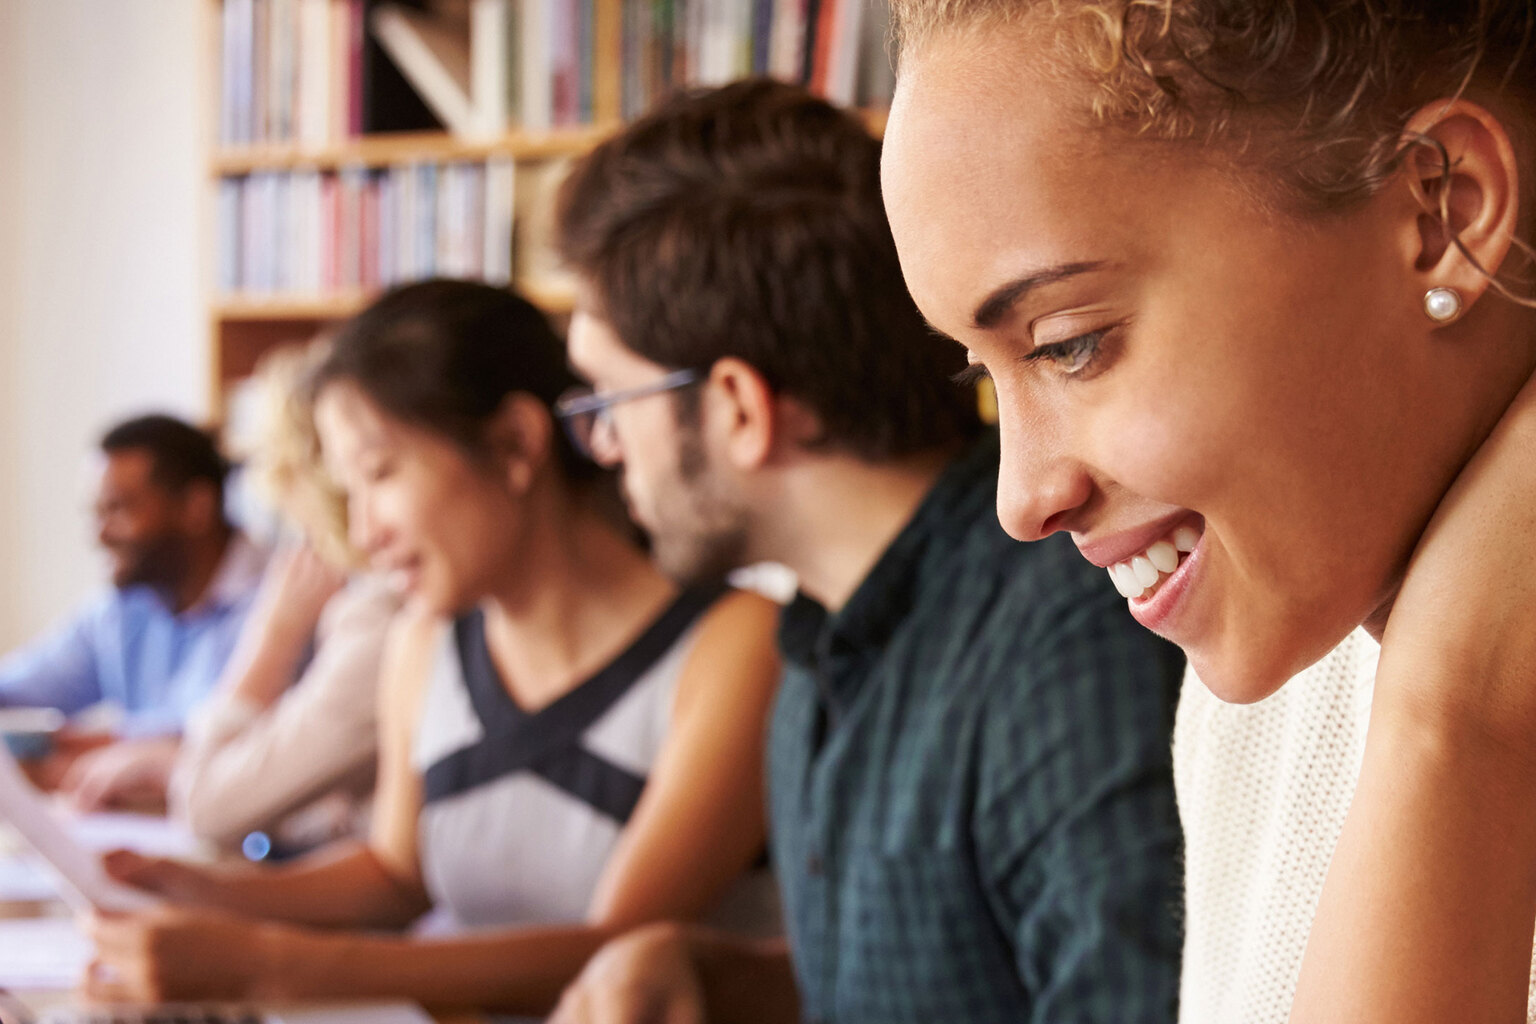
(1314, 93)
(286, 465)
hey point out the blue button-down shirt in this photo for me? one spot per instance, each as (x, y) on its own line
(972, 799)
(128, 649)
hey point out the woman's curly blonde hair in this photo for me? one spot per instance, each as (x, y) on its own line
(1315, 92)
(286, 464)
(1337, 78)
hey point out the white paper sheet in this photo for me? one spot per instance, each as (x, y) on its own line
(25, 878)
(42, 954)
(151, 835)
(83, 882)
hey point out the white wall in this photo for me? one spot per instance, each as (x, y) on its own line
(10, 313)
(103, 106)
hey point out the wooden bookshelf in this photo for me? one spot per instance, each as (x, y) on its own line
(267, 308)
(296, 308)
(552, 297)
(408, 147)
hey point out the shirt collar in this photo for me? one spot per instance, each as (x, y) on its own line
(236, 579)
(887, 594)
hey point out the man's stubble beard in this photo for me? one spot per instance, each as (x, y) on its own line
(703, 533)
(160, 562)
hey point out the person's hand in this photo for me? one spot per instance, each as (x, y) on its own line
(645, 977)
(69, 745)
(132, 772)
(295, 589)
(1460, 643)
(175, 954)
(173, 880)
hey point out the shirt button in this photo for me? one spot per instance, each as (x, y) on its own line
(814, 867)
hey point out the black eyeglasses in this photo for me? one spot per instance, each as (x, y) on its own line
(588, 415)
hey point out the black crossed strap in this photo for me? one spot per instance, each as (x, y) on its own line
(548, 742)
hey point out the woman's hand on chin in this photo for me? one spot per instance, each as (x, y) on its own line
(1459, 649)
(1426, 914)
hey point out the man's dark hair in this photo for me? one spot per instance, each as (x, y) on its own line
(179, 452)
(747, 221)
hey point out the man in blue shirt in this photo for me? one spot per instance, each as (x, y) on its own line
(969, 771)
(155, 644)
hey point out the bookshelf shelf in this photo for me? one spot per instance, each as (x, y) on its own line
(552, 297)
(407, 147)
(278, 308)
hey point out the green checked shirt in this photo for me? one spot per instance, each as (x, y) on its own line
(970, 783)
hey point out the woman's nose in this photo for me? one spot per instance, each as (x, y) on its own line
(1040, 486)
(362, 527)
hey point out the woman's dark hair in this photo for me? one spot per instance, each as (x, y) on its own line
(443, 355)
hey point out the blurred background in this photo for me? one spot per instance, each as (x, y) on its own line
(102, 280)
(185, 184)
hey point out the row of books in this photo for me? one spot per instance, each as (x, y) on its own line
(315, 233)
(617, 57)
(308, 72)
(311, 71)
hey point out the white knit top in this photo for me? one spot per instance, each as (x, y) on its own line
(1263, 790)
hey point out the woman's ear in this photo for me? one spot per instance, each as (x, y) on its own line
(519, 437)
(1465, 177)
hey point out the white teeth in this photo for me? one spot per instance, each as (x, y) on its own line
(1125, 580)
(1163, 555)
(1138, 574)
(1144, 570)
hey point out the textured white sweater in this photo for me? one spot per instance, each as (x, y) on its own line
(1263, 790)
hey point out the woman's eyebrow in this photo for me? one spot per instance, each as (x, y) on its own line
(997, 305)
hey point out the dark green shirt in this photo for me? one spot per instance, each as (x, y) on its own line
(971, 786)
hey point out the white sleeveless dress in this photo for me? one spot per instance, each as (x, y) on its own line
(521, 811)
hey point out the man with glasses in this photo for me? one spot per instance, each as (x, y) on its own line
(972, 812)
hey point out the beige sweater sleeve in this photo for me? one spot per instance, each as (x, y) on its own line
(243, 768)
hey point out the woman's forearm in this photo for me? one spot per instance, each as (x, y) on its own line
(1427, 913)
(340, 886)
(521, 971)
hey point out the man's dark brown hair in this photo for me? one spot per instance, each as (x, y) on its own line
(180, 454)
(747, 221)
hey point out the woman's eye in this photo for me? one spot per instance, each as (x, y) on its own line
(1072, 356)
(378, 471)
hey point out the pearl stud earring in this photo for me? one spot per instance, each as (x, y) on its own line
(1442, 305)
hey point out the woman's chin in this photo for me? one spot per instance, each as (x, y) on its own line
(1250, 660)
(1241, 678)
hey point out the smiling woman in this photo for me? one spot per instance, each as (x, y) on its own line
(1252, 283)
(549, 704)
